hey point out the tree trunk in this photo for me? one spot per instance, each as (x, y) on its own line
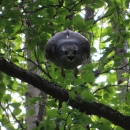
(89, 15)
(123, 61)
(38, 108)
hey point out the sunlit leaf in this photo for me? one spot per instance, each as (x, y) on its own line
(52, 113)
(87, 95)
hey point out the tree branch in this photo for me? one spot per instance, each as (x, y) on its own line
(92, 108)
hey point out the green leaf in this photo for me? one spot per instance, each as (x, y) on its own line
(106, 96)
(118, 128)
(34, 100)
(93, 50)
(89, 76)
(2, 89)
(14, 60)
(127, 3)
(61, 19)
(17, 111)
(51, 11)
(120, 45)
(68, 23)
(106, 31)
(6, 124)
(7, 97)
(78, 81)
(110, 11)
(128, 96)
(15, 104)
(72, 95)
(97, 4)
(78, 21)
(52, 113)
(109, 90)
(87, 95)
(69, 120)
(19, 50)
(69, 3)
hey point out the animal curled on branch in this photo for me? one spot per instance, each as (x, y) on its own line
(67, 50)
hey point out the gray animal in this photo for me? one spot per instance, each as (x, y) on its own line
(67, 50)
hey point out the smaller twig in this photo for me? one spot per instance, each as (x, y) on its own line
(104, 16)
(43, 7)
(67, 118)
(76, 4)
(18, 121)
(4, 111)
(34, 64)
(98, 72)
(110, 85)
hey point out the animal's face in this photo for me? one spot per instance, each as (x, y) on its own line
(69, 52)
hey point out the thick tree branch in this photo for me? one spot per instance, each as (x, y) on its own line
(61, 94)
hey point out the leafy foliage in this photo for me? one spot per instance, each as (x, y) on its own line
(26, 25)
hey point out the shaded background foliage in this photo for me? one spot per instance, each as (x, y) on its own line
(27, 25)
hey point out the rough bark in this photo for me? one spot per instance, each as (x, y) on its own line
(91, 108)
